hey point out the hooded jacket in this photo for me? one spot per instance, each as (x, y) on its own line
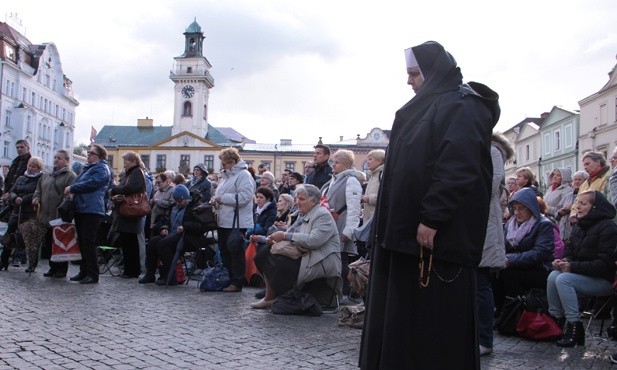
(536, 248)
(438, 166)
(201, 184)
(591, 247)
(494, 251)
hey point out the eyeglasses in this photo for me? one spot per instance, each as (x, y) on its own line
(92, 153)
(613, 159)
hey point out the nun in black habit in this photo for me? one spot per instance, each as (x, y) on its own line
(431, 221)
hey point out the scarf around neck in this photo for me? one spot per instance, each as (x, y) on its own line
(517, 232)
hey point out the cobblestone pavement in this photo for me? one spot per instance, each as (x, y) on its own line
(120, 324)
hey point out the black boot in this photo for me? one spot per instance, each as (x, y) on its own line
(574, 334)
(560, 321)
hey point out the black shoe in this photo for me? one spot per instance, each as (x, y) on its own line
(89, 280)
(78, 277)
(50, 273)
(147, 279)
(60, 275)
(261, 294)
(574, 334)
(127, 276)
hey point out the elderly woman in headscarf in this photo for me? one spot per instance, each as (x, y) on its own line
(200, 182)
(558, 188)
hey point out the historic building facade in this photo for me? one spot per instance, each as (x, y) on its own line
(558, 135)
(36, 100)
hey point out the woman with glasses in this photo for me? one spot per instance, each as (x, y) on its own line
(162, 202)
(88, 193)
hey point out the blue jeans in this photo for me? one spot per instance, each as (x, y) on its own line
(486, 307)
(562, 289)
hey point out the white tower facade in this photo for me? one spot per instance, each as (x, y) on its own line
(192, 84)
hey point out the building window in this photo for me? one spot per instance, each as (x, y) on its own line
(6, 149)
(527, 152)
(547, 143)
(185, 164)
(615, 109)
(568, 136)
(146, 159)
(33, 99)
(24, 93)
(290, 166)
(28, 123)
(188, 109)
(189, 69)
(557, 141)
(603, 114)
(209, 162)
(7, 120)
(161, 161)
(110, 159)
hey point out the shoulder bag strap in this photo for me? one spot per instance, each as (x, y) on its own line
(236, 223)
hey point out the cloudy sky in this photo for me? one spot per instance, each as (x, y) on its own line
(299, 69)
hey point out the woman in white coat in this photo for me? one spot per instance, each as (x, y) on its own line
(236, 185)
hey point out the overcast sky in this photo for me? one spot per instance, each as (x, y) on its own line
(296, 69)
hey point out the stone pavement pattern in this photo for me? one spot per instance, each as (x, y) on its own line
(119, 324)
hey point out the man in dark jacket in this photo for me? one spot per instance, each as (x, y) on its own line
(322, 170)
(18, 167)
(431, 220)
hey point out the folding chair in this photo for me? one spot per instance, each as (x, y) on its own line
(189, 258)
(600, 309)
(110, 260)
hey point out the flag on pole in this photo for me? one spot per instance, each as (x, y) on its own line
(92, 134)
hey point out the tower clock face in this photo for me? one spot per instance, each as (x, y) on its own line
(188, 91)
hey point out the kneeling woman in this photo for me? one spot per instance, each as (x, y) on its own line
(315, 232)
(588, 266)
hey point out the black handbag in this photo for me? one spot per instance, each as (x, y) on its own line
(215, 279)
(511, 313)
(235, 240)
(205, 215)
(296, 302)
(66, 210)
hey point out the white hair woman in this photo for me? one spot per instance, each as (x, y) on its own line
(315, 231)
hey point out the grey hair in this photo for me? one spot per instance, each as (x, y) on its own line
(596, 156)
(311, 191)
(346, 156)
(582, 174)
(268, 175)
(377, 154)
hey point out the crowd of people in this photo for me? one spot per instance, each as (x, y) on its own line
(265, 210)
(451, 240)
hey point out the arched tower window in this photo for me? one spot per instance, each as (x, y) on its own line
(188, 109)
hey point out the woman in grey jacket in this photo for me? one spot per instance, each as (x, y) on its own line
(236, 185)
(315, 231)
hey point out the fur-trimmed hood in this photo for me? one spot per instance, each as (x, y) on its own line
(504, 145)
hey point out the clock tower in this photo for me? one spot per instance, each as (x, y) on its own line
(192, 84)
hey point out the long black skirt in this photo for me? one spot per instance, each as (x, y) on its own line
(281, 271)
(419, 328)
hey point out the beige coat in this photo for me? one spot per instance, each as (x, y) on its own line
(317, 232)
(372, 188)
(47, 193)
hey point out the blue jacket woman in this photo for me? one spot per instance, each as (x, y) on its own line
(89, 191)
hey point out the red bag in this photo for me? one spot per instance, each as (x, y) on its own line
(64, 246)
(538, 326)
(251, 268)
(180, 278)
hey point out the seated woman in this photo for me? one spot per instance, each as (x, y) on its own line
(264, 211)
(315, 231)
(284, 210)
(529, 248)
(183, 226)
(588, 265)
